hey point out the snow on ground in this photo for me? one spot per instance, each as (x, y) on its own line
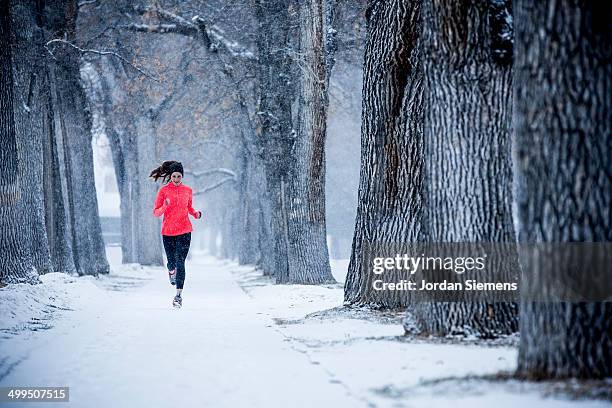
(25, 307)
(238, 341)
(339, 269)
(372, 358)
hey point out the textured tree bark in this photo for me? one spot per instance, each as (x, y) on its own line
(274, 132)
(87, 244)
(123, 149)
(308, 257)
(467, 173)
(251, 182)
(389, 204)
(30, 92)
(248, 228)
(250, 192)
(56, 211)
(563, 122)
(128, 191)
(128, 253)
(16, 261)
(268, 254)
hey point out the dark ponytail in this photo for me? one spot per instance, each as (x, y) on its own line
(166, 169)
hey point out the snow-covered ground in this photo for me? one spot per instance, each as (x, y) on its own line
(239, 341)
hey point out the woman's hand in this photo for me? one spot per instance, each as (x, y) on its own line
(167, 201)
(199, 215)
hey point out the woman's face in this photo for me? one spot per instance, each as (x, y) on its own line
(176, 178)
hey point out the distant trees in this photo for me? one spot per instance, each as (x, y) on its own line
(49, 212)
(276, 87)
(302, 166)
(244, 230)
(562, 155)
(294, 142)
(147, 112)
(288, 113)
(130, 128)
(307, 235)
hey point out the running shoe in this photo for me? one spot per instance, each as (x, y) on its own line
(177, 301)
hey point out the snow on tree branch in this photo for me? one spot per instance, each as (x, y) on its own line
(214, 38)
(98, 52)
(162, 29)
(86, 3)
(235, 49)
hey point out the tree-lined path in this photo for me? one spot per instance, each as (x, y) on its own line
(314, 136)
(131, 348)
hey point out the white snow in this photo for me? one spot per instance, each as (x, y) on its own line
(238, 341)
(104, 172)
(339, 269)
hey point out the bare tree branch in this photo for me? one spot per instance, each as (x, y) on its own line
(217, 184)
(86, 2)
(234, 48)
(220, 170)
(162, 29)
(98, 52)
(213, 37)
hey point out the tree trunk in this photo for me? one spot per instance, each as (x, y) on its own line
(120, 164)
(248, 228)
(101, 92)
(134, 155)
(252, 180)
(268, 253)
(308, 258)
(563, 122)
(75, 128)
(31, 90)
(56, 215)
(148, 239)
(128, 191)
(17, 265)
(274, 132)
(389, 203)
(467, 177)
(140, 241)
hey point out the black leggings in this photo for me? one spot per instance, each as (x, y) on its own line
(177, 247)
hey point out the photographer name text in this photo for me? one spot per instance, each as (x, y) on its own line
(410, 265)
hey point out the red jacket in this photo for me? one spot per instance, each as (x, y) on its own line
(176, 218)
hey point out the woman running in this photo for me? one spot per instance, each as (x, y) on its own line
(174, 203)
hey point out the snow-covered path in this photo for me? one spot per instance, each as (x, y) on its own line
(240, 341)
(131, 348)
